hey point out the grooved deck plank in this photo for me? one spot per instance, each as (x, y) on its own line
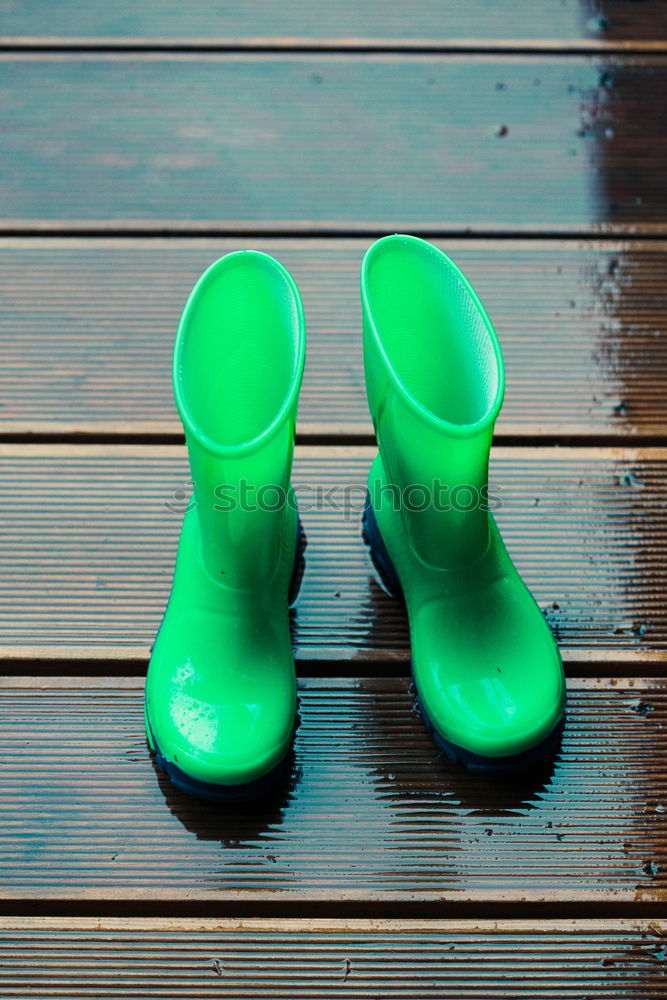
(429, 23)
(370, 813)
(88, 536)
(447, 960)
(87, 327)
(308, 143)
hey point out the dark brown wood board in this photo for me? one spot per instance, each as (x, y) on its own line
(87, 327)
(89, 535)
(331, 959)
(139, 143)
(314, 143)
(371, 819)
(430, 23)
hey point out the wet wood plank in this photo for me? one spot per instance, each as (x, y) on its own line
(89, 534)
(87, 327)
(476, 23)
(308, 143)
(370, 814)
(447, 960)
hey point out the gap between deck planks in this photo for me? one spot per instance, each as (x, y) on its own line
(89, 536)
(447, 960)
(475, 25)
(372, 820)
(87, 328)
(306, 143)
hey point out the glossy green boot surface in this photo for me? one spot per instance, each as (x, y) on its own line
(220, 701)
(487, 671)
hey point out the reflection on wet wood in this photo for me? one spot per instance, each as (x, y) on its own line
(430, 23)
(89, 537)
(370, 811)
(86, 333)
(308, 143)
(447, 960)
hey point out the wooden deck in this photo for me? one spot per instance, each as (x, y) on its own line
(141, 141)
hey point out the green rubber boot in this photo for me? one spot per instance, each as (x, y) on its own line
(220, 701)
(488, 674)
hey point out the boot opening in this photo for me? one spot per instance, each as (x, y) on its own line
(239, 348)
(435, 333)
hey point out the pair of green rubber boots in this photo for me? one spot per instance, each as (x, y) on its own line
(221, 702)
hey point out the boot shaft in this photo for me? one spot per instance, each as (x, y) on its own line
(435, 382)
(237, 369)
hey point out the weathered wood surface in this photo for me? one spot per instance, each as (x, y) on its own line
(447, 960)
(286, 151)
(311, 143)
(87, 327)
(370, 813)
(89, 536)
(431, 23)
